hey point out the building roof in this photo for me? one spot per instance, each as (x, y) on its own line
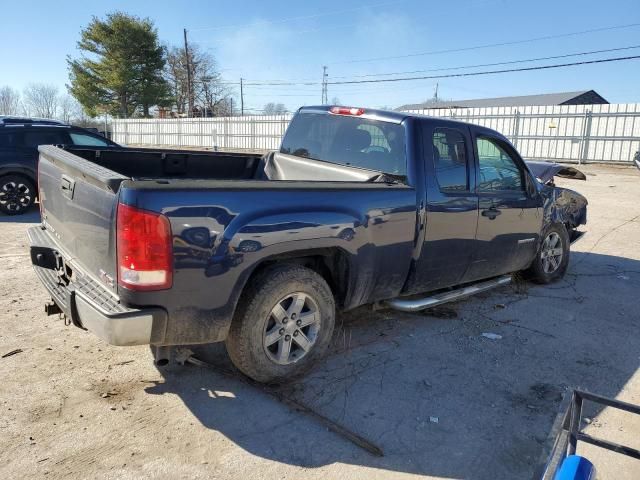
(582, 97)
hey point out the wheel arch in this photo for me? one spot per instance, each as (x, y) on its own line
(332, 264)
(21, 171)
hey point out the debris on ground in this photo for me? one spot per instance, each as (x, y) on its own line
(492, 336)
(499, 306)
(12, 352)
(434, 419)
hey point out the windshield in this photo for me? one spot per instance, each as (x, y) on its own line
(347, 140)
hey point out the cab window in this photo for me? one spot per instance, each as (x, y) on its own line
(85, 140)
(450, 160)
(33, 138)
(498, 171)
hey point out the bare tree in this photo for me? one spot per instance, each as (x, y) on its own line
(9, 101)
(211, 96)
(70, 109)
(274, 109)
(41, 100)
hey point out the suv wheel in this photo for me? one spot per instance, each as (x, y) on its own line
(552, 259)
(17, 194)
(283, 324)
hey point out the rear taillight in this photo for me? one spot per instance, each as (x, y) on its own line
(145, 259)
(346, 110)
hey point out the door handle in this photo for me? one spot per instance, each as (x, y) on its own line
(492, 213)
(67, 185)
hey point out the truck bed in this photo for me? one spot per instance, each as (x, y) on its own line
(186, 164)
(159, 163)
(227, 214)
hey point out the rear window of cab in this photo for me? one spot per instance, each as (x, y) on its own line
(347, 140)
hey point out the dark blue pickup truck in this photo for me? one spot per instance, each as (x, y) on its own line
(358, 206)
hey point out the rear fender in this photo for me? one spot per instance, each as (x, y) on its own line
(283, 236)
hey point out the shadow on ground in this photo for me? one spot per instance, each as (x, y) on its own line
(32, 215)
(438, 397)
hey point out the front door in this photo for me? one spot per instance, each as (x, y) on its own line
(451, 208)
(510, 216)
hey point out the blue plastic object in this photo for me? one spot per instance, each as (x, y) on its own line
(575, 467)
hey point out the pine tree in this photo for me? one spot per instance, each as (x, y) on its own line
(120, 67)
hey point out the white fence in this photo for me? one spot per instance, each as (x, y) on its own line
(228, 133)
(567, 133)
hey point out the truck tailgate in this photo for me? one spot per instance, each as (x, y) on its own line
(78, 204)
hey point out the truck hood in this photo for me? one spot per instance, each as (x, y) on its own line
(545, 171)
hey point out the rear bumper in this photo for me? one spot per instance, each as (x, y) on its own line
(88, 304)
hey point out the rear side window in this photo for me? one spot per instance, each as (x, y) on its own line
(33, 138)
(84, 139)
(498, 170)
(450, 160)
(8, 140)
(347, 140)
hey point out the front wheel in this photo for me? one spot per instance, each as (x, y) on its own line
(17, 194)
(552, 258)
(283, 324)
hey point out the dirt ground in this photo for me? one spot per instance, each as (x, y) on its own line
(440, 399)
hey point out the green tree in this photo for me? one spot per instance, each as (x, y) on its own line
(120, 67)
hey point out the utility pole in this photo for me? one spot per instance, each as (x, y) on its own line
(241, 99)
(231, 114)
(435, 94)
(189, 83)
(325, 95)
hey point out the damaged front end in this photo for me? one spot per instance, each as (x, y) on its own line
(561, 205)
(565, 206)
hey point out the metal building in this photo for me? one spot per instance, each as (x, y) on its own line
(583, 97)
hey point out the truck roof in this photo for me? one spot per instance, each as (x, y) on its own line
(383, 115)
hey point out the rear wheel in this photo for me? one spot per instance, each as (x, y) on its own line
(17, 194)
(283, 324)
(552, 259)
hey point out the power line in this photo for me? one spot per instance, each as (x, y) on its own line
(554, 57)
(453, 75)
(490, 45)
(288, 83)
(489, 72)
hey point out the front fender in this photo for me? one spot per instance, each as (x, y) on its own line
(562, 205)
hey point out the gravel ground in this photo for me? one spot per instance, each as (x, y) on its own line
(440, 399)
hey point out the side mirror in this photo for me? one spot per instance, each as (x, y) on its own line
(532, 189)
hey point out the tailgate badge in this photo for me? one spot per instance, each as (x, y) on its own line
(106, 278)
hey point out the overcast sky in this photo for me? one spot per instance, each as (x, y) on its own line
(292, 40)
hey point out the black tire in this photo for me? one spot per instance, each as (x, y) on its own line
(269, 292)
(547, 272)
(17, 194)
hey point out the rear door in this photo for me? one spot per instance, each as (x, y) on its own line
(451, 207)
(19, 146)
(510, 215)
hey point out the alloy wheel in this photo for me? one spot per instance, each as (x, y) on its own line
(551, 253)
(292, 328)
(15, 196)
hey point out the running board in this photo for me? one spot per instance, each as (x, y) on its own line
(415, 305)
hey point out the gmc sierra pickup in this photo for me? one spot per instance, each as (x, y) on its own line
(358, 206)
